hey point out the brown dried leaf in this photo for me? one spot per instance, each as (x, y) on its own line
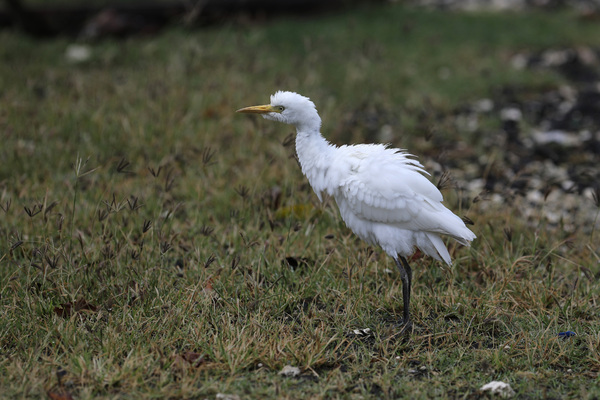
(64, 310)
(416, 256)
(59, 395)
(67, 309)
(208, 290)
(188, 359)
(193, 358)
(178, 362)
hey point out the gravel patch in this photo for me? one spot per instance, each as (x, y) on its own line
(549, 166)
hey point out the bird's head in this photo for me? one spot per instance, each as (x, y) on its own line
(289, 108)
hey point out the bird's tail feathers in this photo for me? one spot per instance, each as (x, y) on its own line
(440, 248)
(456, 229)
(464, 236)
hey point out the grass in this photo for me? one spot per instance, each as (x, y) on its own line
(156, 244)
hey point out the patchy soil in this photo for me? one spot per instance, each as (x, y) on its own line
(549, 166)
(585, 7)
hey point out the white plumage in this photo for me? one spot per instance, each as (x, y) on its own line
(383, 194)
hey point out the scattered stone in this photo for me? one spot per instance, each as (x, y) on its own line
(554, 58)
(467, 122)
(483, 105)
(386, 134)
(476, 185)
(475, 5)
(77, 53)
(223, 396)
(290, 371)
(519, 61)
(548, 141)
(587, 9)
(511, 114)
(499, 388)
(558, 137)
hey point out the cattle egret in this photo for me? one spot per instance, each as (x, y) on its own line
(382, 192)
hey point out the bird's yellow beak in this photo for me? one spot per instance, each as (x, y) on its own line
(258, 109)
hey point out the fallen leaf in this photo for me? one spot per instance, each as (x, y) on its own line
(208, 290)
(188, 359)
(193, 358)
(59, 395)
(295, 262)
(65, 310)
(417, 255)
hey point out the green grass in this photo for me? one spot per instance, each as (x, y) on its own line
(161, 220)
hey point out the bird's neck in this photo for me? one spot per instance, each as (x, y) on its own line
(315, 154)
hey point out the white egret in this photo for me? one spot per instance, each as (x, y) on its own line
(382, 193)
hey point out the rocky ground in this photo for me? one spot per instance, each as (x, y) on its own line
(541, 157)
(549, 168)
(584, 6)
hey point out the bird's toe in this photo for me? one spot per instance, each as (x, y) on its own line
(406, 328)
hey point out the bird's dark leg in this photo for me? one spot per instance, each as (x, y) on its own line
(406, 276)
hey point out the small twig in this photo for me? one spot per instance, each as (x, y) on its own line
(155, 173)
(33, 211)
(147, 226)
(207, 155)
(6, 206)
(122, 165)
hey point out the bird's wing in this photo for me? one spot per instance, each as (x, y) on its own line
(386, 185)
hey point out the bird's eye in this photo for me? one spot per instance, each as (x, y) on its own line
(280, 108)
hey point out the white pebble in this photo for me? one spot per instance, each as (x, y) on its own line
(223, 396)
(511, 114)
(483, 105)
(78, 53)
(500, 388)
(288, 370)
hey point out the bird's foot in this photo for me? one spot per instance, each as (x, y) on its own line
(406, 328)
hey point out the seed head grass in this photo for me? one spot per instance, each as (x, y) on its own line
(156, 244)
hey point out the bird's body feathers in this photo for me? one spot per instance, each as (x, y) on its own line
(383, 196)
